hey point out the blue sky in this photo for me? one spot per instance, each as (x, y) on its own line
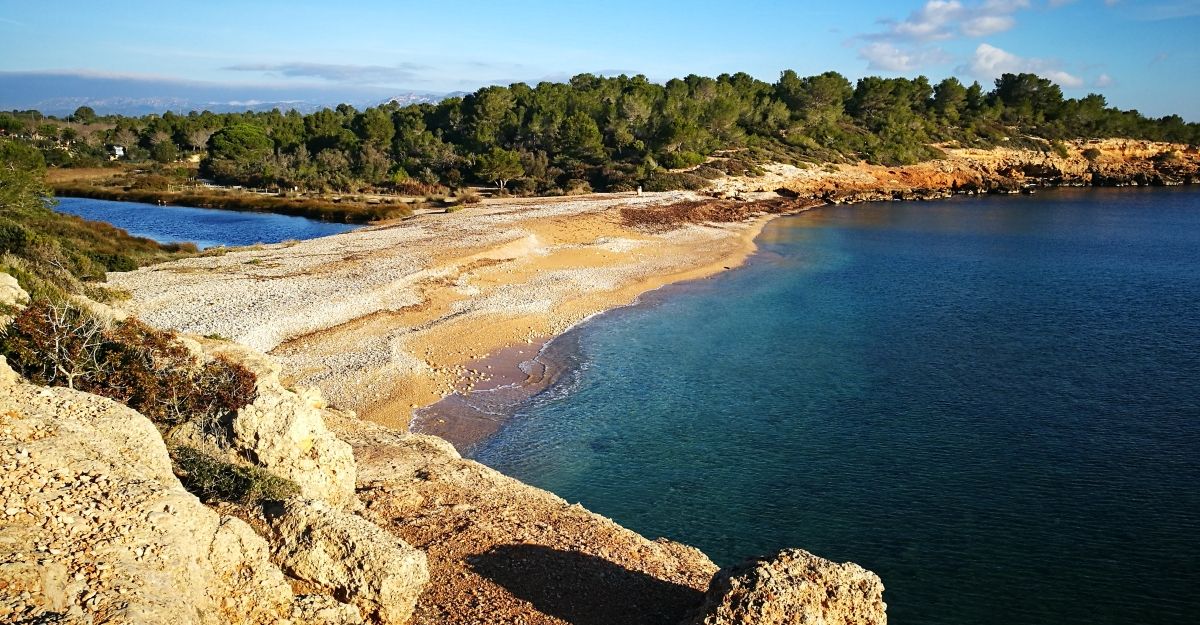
(1138, 53)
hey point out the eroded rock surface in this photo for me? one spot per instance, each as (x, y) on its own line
(12, 297)
(356, 561)
(794, 587)
(501, 551)
(283, 432)
(94, 527)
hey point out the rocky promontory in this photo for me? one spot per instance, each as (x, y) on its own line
(383, 527)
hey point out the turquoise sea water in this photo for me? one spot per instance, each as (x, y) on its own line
(994, 403)
(206, 227)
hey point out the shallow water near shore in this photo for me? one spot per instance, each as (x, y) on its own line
(206, 227)
(991, 402)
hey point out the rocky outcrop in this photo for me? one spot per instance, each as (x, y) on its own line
(12, 297)
(94, 527)
(794, 587)
(282, 432)
(354, 560)
(501, 551)
(1102, 163)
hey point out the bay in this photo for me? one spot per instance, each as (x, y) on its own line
(994, 403)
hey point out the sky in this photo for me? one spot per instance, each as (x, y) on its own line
(1138, 53)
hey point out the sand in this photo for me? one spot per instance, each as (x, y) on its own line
(388, 319)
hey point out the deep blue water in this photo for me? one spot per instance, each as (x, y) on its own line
(206, 227)
(994, 403)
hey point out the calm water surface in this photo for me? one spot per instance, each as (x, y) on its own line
(993, 403)
(206, 227)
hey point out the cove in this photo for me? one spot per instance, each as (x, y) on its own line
(991, 402)
(206, 227)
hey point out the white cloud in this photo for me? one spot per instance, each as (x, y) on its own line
(932, 21)
(990, 62)
(888, 57)
(987, 25)
(1103, 80)
(947, 19)
(904, 45)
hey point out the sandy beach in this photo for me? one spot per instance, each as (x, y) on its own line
(390, 318)
(394, 317)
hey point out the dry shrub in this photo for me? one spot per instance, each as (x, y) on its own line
(60, 344)
(468, 196)
(417, 189)
(671, 216)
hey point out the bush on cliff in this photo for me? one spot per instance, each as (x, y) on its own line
(213, 479)
(60, 344)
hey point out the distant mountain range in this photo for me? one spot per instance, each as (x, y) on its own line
(61, 93)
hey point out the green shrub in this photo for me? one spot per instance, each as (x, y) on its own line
(672, 181)
(213, 479)
(114, 262)
(681, 160)
(13, 237)
(1091, 154)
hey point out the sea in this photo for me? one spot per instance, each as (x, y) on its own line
(206, 227)
(992, 402)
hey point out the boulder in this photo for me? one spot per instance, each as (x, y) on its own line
(794, 587)
(353, 559)
(284, 433)
(12, 297)
(94, 527)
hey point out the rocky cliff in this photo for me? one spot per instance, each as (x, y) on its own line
(1100, 162)
(388, 527)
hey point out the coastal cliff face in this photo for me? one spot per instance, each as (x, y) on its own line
(95, 528)
(1103, 163)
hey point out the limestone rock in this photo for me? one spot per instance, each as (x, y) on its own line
(94, 527)
(12, 297)
(283, 432)
(323, 610)
(355, 560)
(794, 587)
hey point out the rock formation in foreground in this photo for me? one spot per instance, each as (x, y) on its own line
(794, 587)
(387, 527)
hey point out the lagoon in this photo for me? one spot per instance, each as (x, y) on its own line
(206, 227)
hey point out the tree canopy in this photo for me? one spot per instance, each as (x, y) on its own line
(607, 133)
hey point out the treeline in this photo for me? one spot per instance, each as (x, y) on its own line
(607, 134)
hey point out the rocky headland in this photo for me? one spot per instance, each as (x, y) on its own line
(387, 527)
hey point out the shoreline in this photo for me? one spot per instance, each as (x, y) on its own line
(472, 415)
(315, 209)
(456, 417)
(391, 318)
(387, 319)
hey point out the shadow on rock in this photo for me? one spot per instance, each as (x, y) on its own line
(583, 589)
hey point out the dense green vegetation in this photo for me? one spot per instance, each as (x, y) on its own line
(602, 133)
(52, 254)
